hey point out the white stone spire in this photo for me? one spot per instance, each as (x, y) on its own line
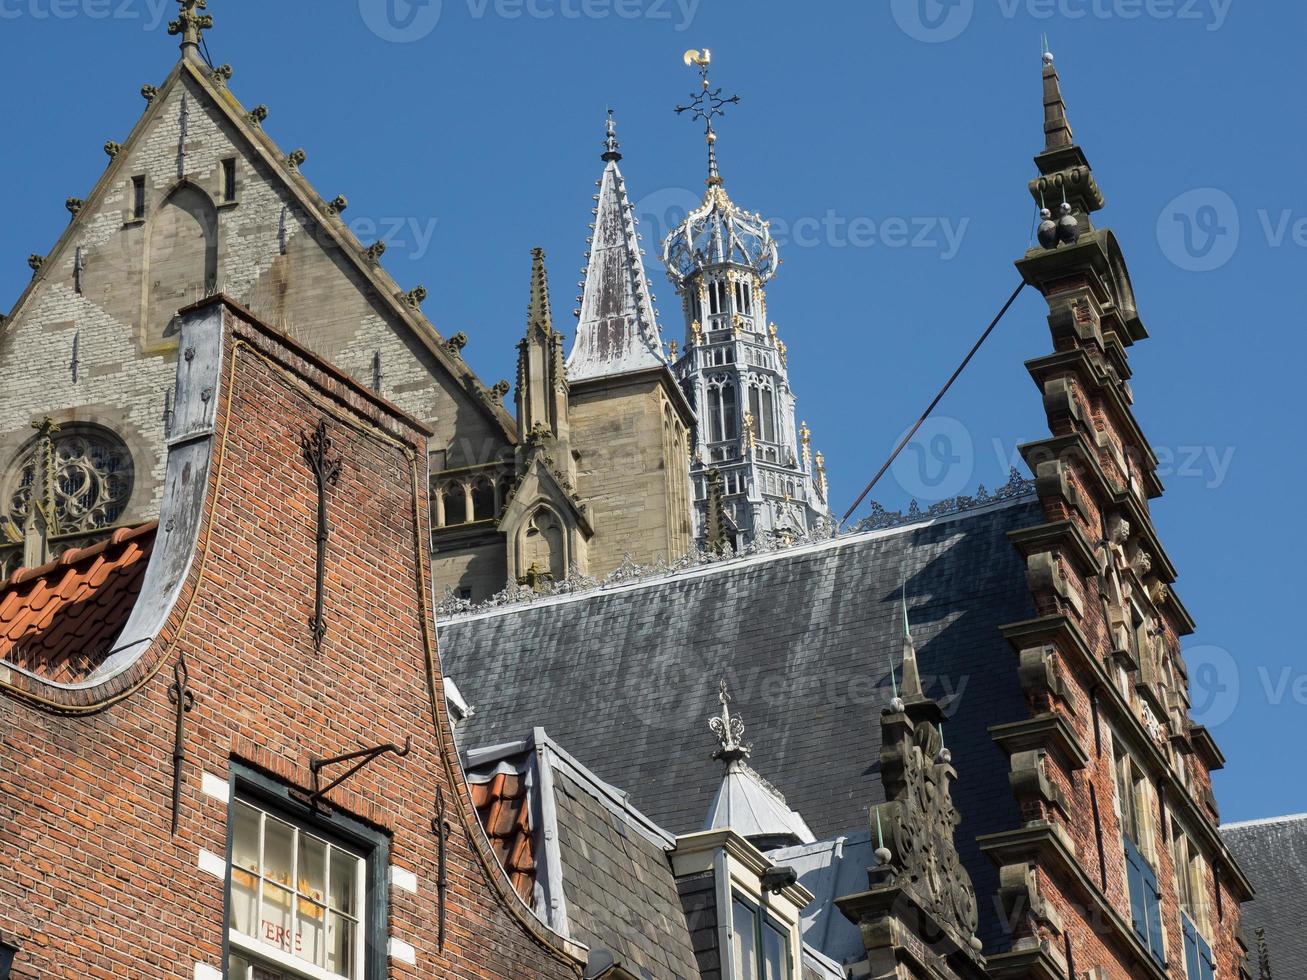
(618, 329)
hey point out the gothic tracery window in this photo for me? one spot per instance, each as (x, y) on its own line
(92, 479)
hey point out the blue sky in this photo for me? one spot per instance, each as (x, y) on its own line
(890, 142)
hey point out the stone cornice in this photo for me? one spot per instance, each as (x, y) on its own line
(1065, 536)
(1049, 730)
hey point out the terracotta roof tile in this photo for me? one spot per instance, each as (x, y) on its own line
(60, 620)
(501, 804)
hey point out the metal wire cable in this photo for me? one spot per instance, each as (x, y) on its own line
(938, 398)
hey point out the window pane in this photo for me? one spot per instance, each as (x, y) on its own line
(311, 927)
(341, 944)
(344, 882)
(238, 968)
(743, 928)
(245, 838)
(773, 954)
(278, 842)
(244, 902)
(313, 868)
(274, 926)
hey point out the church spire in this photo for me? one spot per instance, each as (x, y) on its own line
(191, 25)
(542, 409)
(618, 329)
(539, 312)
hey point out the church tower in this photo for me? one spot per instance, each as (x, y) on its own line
(734, 367)
(630, 422)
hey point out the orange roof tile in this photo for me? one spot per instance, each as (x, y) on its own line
(501, 804)
(60, 620)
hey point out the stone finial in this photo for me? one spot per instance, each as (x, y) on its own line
(456, 343)
(375, 251)
(539, 313)
(338, 204)
(112, 149)
(222, 74)
(149, 93)
(295, 159)
(190, 23)
(500, 390)
(612, 149)
(673, 350)
(729, 730)
(74, 205)
(35, 262)
(258, 115)
(416, 296)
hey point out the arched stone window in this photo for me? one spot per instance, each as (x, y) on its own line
(543, 548)
(182, 259)
(483, 499)
(92, 478)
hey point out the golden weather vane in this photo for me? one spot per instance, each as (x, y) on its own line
(707, 104)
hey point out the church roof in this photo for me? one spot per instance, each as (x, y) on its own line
(618, 329)
(624, 675)
(60, 620)
(1273, 854)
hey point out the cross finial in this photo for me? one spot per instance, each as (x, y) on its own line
(729, 730)
(707, 105)
(190, 23)
(612, 149)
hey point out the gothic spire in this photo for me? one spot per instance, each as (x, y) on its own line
(539, 313)
(618, 329)
(191, 25)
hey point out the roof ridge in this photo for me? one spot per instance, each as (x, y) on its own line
(1263, 821)
(76, 556)
(630, 577)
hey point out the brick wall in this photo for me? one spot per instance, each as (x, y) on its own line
(92, 883)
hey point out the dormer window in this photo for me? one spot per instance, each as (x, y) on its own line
(759, 945)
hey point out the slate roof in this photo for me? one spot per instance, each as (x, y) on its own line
(599, 872)
(627, 676)
(60, 620)
(1273, 853)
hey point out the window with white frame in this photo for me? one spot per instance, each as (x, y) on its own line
(760, 948)
(296, 901)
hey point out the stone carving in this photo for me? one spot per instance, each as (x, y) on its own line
(914, 830)
(456, 343)
(149, 93)
(113, 149)
(74, 205)
(416, 296)
(191, 24)
(295, 159)
(222, 74)
(880, 518)
(35, 262)
(500, 390)
(338, 205)
(258, 115)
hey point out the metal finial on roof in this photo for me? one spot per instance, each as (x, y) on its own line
(707, 105)
(729, 730)
(612, 149)
(191, 24)
(1047, 54)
